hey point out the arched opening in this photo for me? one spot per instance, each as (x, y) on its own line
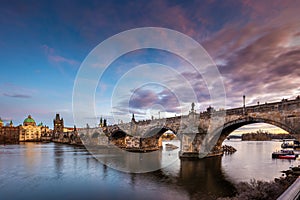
(158, 132)
(169, 136)
(239, 124)
(253, 158)
(260, 132)
(161, 138)
(118, 138)
(170, 141)
(118, 134)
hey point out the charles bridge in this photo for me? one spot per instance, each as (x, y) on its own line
(201, 134)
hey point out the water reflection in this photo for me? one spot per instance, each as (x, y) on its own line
(56, 171)
(127, 161)
(204, 179)
(58, 159)
(253, 160)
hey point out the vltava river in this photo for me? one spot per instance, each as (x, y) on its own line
(56, 171)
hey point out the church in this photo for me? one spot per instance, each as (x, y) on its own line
(29, 131)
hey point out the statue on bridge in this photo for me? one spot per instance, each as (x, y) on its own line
(193, 107)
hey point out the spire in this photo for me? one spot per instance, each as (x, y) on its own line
(11, 123)
(101, 122)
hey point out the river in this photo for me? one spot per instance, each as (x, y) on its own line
(57, 171)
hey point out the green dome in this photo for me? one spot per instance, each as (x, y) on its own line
(29, 120)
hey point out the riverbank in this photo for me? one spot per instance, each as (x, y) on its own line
(263, 190)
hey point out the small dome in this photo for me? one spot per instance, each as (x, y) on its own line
(29, 121)
(40, 124)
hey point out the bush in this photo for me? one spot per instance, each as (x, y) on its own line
(261, 190)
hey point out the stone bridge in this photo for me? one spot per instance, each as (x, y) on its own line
(202, 134)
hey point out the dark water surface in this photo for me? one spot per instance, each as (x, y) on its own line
(57, 171)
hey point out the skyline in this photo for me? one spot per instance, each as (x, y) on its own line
(254, 44)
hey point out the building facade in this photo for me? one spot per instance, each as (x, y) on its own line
(30, 131)
(9, 134)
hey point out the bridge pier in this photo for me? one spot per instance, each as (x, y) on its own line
(197, 155)
(191, 145)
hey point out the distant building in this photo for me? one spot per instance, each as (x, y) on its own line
(62, 133)
(9, 134)
(58, 124)
(30, 131)
(45, 131)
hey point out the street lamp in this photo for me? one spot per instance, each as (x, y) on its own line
(244, 107)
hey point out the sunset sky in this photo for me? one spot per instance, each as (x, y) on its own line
(255, 45)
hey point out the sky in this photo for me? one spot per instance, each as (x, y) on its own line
(255, 46)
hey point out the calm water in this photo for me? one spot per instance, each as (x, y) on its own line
(51, 171)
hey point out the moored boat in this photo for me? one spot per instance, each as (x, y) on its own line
(284, 154)
(287, 156)
(290, 144)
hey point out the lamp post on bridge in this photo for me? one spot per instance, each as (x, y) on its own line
(244, 107)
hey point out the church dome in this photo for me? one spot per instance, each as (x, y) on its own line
(29, 121)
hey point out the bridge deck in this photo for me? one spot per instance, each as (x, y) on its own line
(293, 192)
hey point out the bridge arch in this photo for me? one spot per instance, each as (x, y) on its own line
(118, 134)
(231, 126)
(157, 132)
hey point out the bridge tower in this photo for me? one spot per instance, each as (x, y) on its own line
(58, 124)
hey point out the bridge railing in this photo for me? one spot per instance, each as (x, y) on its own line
(267, 107)
(293, 192)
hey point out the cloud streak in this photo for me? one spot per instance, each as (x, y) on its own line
(58, 59)
(16, 95)
(15, 91)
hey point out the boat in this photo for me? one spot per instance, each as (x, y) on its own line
(287, 144)
(284, 154)
(171, 146)
(294, 145)
(287, 156)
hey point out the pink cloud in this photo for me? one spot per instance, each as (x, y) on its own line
(55, 58)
